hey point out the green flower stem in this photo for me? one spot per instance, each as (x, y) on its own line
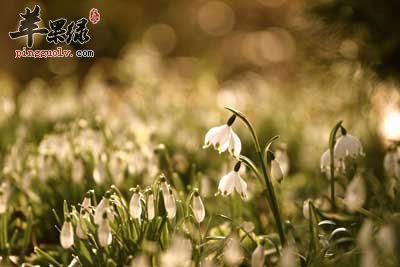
(271, 197)
(332, 142)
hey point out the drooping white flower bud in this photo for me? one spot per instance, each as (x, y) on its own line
(258, 257)
(150, 206)
(67, 234)
(135, 205)
(199, 211)
(356, 194)
(282, 157)
(103, 206)
(164, 185)
(276, 171)
(170, 204)
(104, 232)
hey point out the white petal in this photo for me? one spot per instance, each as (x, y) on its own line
(135, 206)
(198, 209)
(347, 145)
(227, 183)
(165, 188)
(104, 234)
(221, 138)
(325, 160)
(100, 209)
(67, 235)
(283, 159)
(212, 134)
(236, 145)
(150, 207)
(86, 203)
(276, 171)
(170, 205)
(240, 186)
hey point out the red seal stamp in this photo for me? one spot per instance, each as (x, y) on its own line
(94, 16)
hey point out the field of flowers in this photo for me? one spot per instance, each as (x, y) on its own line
(93, 179)
(201, 134)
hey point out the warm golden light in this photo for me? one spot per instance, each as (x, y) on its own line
(391, 125)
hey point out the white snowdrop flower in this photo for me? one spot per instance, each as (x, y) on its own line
(179, 254)
(67, 234)
(224, 138)
(135, 204)
(347, 145)
(282, 157)
(103, 206)
(86, 203)
(150, 206)
(391, 162)
(77, 170)
(233, 254)
(386, 239)
(356, 194)
(164, 185)
(169, 198)
(104, 232)
(232, 181)
(199, 211)
(306, 209)
(276, 171)
(258, 257)
(170, 204)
